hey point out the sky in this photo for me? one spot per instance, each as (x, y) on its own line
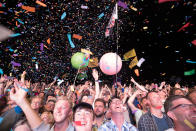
(161, 32)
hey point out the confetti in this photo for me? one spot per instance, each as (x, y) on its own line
(122, 4)
(184, 26)
(101, 15)
(189, 73)
(20, 21)
(1, 120)
(86, 51)
(193, 42)
(48, 40)
(15, 35)
(84, 7)
(70, 41)
(140, 62)
(133, 62)
(192, 62)
(79, 37)
(40, 3)
(28, 8)
(137, 72)
(189, 124)
(15, 64)
(129, 54)
(1, 71)
(63, 15)
(163, 1)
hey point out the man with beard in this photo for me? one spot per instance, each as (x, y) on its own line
(99, 111)
(154, 119)
(183, 113)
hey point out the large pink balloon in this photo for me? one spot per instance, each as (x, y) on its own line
(110, 63)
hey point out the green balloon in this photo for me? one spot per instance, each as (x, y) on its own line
(78, 60)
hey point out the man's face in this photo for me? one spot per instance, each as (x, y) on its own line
(144, 104)
(36, 103)
(183, 109)
(179, 92)
(50, 106)
(193, 97)
(116, 106)
(99, 109)
(155, 100)
(84, 117)
(62, 111)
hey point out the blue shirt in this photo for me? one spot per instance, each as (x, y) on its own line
(111, 126)
(161, 123)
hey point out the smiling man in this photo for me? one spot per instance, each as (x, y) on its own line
(183, 113)
(83, 117)
(117, 122)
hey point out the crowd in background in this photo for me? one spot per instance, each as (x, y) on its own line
(26, 106)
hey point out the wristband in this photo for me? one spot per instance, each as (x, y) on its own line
(98, 81)
(18, 110)
(133, 112)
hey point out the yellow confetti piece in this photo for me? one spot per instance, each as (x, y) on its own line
(133, 8)
(145, 28)
(188, 123)
(40, 3)
(86, 51)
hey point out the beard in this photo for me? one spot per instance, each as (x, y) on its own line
(99, 115)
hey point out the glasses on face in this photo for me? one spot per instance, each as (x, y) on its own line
(184, 106)
(116, 102)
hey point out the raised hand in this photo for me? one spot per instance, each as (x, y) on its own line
(19, 92)
(95, 74)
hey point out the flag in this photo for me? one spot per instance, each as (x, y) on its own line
(112, 21)
(133, 62)
(188, 73)
(93, 62)
(129, 54)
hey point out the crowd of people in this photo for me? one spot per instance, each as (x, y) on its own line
(27, 106)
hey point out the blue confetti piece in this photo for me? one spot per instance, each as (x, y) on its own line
(20, 21)
(63, 15)
(11, 50)
(70, 41)
(27, 90)
(15, 35)
(34, 58)
(1, 71)
(1, 120)
(101, 15)
(192, 62)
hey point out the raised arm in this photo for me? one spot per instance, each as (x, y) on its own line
(131, 99)
(96, 78)
(23, 76)
(138, 85)
(18, 94)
